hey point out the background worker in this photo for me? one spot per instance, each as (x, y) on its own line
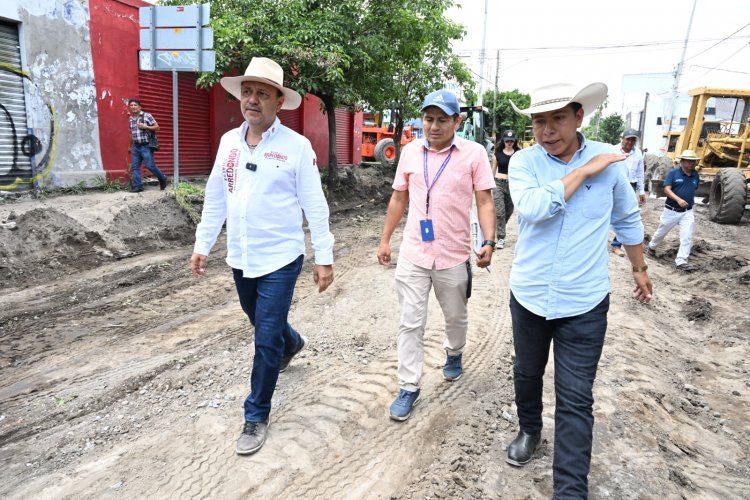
(634, 163)
(142, 124)
(504, 149)
(679, 186)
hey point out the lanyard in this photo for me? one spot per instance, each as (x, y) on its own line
(437, 175)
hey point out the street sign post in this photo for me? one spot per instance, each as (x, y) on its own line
(174, 38)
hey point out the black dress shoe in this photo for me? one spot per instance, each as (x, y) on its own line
(163, 184)
(136, 190)
(521, 450)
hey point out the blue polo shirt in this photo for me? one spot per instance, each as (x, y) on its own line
(683, 185)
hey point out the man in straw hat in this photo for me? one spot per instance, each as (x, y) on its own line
(264, 177)
(566, 190)
(679, 186)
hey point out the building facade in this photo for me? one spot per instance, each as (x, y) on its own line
(67, 71)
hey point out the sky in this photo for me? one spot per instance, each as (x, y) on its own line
(582, 41)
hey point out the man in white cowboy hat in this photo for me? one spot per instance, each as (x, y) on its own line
(679, 186)
(264, 178)
(566, 190)
(634, 162)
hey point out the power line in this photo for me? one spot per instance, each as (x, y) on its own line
(721, 69)
(717, 43)
(618, 46)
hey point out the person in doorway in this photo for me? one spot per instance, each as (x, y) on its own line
(679, 186)
(634, 162)
(437, 178)
(264, 178)
(566, 190)
(504, 149)
(142, 125)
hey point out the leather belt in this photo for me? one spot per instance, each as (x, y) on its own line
(678, 209)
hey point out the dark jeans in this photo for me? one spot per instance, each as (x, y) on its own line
(143, 153)
(266, 301)
(578, 342)
(503, 206)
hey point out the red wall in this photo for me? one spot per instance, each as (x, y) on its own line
(114, 47)
(225, 115)
(114, 44)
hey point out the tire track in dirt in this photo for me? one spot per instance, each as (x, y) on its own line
(322, 410)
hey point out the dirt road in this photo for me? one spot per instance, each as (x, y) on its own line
(123, 376)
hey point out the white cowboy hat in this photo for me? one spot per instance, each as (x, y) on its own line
(263, 70)
(688, 154)
(559, 95)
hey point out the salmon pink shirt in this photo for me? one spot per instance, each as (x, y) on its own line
(467, 171)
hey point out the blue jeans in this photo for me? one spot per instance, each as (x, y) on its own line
(578, 342)
(143, 153)
(266, 301)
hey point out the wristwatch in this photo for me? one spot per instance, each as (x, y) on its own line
(488, 242)
(640, 269)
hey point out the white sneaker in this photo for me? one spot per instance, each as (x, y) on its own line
(500, 244)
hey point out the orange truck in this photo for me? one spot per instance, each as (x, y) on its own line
(378, 145)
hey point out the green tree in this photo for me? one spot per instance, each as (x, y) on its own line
(407, 46)
(611, 128)
(388, 53)
(498, 104)
(310, 39)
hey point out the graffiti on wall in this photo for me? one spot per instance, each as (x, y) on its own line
(38, 146)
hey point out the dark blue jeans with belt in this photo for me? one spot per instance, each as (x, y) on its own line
(266, 301)
(577, 347)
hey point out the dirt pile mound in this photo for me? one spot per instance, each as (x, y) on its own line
(40, 243)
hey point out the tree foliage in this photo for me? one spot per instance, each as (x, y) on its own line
(611, 128)
(604, 129)
(409, 54)
(498, 104)
(386, 54)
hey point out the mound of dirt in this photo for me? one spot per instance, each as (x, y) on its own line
(697, 309)
(71, 234)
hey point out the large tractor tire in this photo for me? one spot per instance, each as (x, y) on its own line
(727, 197)
(385, 152)
(650, 161)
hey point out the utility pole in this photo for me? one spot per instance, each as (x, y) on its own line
(494, 101)
(678, 72)
(481, 56)
(642, 122)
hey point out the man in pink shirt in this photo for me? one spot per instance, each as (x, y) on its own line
(436, 178)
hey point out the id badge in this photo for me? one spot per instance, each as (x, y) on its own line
(426, 230)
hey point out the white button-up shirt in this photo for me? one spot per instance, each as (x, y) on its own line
(262, 194)
(634, 162)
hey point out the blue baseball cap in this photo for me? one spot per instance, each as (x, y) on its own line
(443, 99)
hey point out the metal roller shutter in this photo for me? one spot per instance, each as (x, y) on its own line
(344, 124)
(155, 88)
(292, 118)
(13, 127)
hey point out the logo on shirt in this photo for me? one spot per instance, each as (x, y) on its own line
(229, 169)
(273, 155)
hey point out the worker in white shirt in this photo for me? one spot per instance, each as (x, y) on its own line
(634, 163)
(264, 177)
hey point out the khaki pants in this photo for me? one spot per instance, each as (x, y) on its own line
(413, 284)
